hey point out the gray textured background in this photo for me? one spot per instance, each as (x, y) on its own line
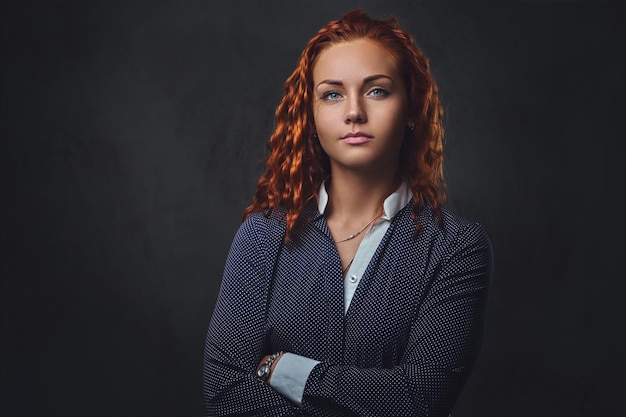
(132, 137)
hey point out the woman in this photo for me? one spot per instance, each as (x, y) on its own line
(349, 288)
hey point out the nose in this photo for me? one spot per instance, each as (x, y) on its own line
(355, 113)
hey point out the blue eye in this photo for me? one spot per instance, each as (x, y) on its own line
(378, 92)
(331, 96)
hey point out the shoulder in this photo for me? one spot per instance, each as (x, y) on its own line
(452, 232)
(260, 231)
(256, 242)
(466, 241)
(456, 226)
(261, 222)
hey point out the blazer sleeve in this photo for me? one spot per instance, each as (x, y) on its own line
(442, 346)
(236, 332)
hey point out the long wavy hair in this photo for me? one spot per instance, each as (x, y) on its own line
(297, 165)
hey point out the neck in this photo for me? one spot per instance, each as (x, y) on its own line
(355, 198)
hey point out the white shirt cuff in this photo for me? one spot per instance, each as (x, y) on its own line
(290, 375)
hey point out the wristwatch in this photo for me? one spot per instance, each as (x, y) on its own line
(264, 370)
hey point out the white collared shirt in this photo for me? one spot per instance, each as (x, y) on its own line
(392, 205)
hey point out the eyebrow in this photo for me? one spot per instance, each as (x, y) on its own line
(365, 80)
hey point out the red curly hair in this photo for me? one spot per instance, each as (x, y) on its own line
(297, 165)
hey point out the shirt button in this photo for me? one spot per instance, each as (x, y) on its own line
(353, 279)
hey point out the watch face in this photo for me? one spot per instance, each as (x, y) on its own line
(263, 371)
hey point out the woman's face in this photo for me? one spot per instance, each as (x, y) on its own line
(360, 106)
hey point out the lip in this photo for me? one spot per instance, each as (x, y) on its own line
(356, 138)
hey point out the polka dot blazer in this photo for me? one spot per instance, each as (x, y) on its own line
(404, 347)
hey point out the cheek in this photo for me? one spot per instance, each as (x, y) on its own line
(400, 118)
(322, 121)
(319, 121)
(391, 119)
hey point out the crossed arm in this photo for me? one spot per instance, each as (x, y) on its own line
(441, 347)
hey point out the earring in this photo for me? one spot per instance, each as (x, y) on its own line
(411, 126)
(315, 135)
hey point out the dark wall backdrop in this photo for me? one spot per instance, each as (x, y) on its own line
(132, 137)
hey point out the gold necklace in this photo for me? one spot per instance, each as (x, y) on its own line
(359, 232)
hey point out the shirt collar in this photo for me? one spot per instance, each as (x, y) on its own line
(392, 204)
